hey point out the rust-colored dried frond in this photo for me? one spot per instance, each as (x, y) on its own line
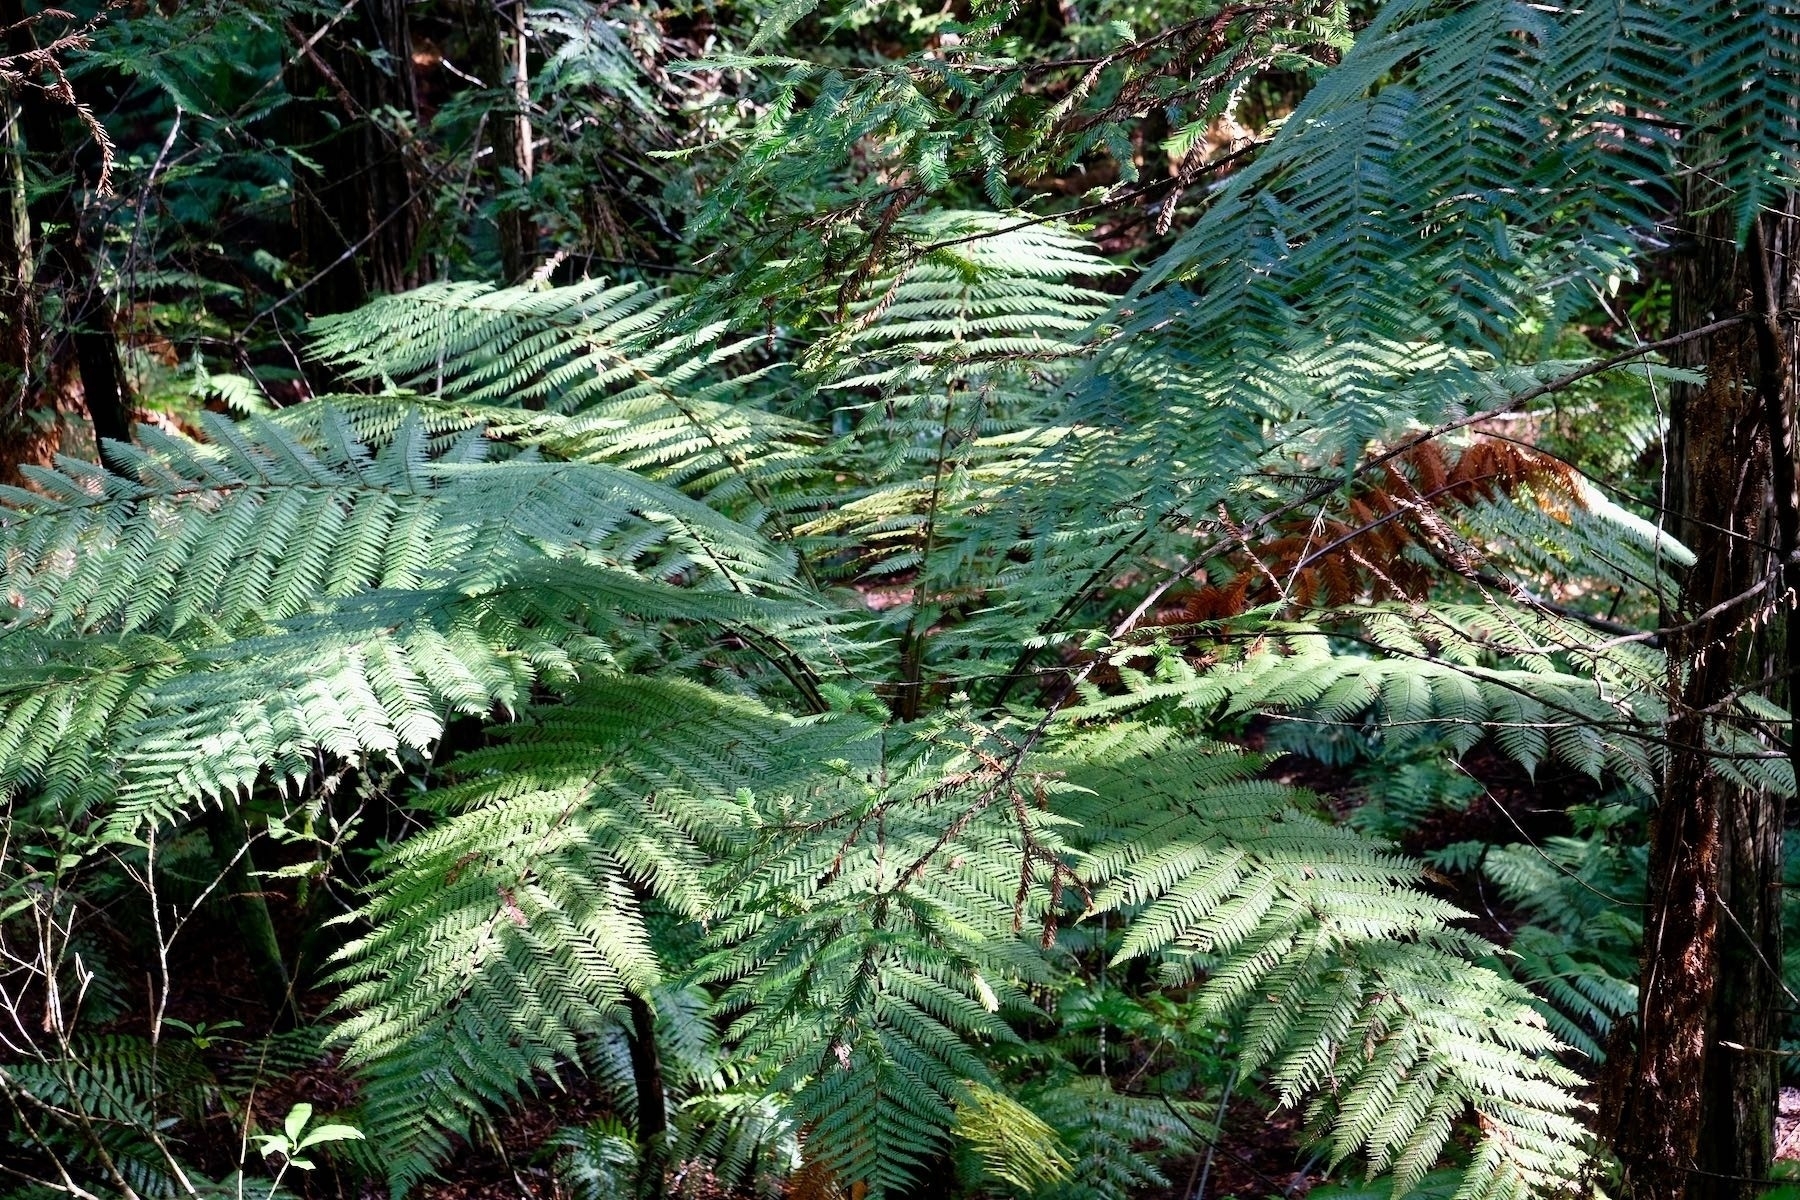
(815, 1181)
(1388, 539)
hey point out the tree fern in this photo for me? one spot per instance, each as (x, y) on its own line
(827, 635)
(263, 599)
(1319, 941)
(867, 962)
(597, 1161)
(1015, 1145)
(530, 894)
(1580, 946)
(1116, 1140)
(744, 1138)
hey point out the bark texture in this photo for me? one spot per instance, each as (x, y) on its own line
(1693, 1114)
(361, 214)
(1737, 1135)
(508, 69)
(30, 428)
(45, 107)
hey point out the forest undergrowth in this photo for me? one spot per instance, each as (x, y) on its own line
(1072, 600)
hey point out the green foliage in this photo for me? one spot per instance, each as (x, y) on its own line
(597, 1161)
(1015, 1145)
(1580, 896)
(1115, 1140)
(743, 1138)
(828, 677)
(1319, 938)
(300, 1132)
(867, 966)
(528, 895)
(1400, 791)
(609, 382)
(267, 600)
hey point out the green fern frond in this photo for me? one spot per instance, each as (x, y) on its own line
(504, 937)
(1353, 987)
(1117, 1140)
(872, 944)
(1015, 1145)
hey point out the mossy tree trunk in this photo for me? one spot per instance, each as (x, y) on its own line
(29, 421)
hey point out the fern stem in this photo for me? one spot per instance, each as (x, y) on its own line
(652, 1103)
(230, 838)
(912, 650)
(1212, 1147)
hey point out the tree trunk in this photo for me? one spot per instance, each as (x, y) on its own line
(360, 215)
(30, 429)
(1737, 1130)
(1694, 1111)
(507, 69)
(87, 310)
(1737, 1137)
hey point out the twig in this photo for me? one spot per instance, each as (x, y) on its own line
(1206, 1171)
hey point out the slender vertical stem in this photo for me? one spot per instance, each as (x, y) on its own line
(1219, 1132)
(912, 649)
(652, 1103)
(230, 838)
